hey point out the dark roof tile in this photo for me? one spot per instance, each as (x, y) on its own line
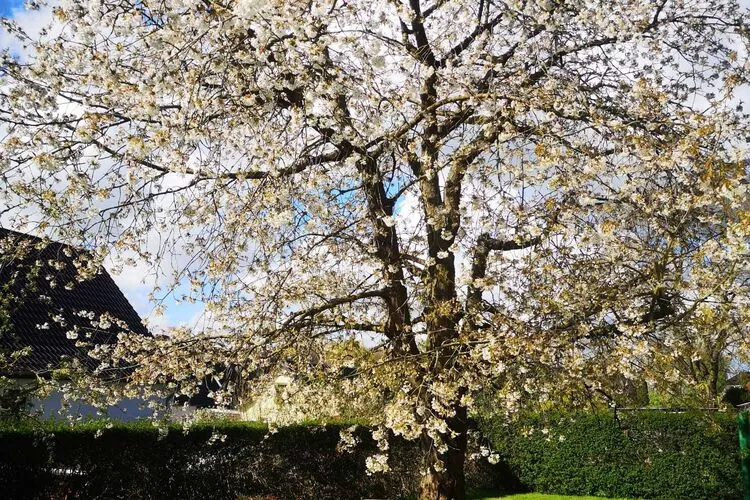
(25, 264)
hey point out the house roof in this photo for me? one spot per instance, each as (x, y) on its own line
(44, 307)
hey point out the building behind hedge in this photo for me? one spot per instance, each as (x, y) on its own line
(51, 319)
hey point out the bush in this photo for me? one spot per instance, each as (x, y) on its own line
(638, 455)
(133, 461)
(644, 454)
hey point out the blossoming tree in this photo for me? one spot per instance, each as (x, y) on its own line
(518, 192)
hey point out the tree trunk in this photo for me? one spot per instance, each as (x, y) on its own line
(449, 483)
(713, 382)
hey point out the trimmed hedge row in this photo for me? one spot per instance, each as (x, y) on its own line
(637, 455)
(644, 454)
(133, 461)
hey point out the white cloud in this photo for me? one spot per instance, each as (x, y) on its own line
(33, 23)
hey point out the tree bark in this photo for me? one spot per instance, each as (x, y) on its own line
(450, 482)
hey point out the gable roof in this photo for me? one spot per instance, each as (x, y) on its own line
(44, 307)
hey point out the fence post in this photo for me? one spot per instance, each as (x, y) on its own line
(743, 427)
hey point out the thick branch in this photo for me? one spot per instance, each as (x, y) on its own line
(299, 166)
(299, 316)
(486, 244)
(466, 42)
(424, 51)
(388, 251)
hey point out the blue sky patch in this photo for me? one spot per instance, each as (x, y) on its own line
(8, 6)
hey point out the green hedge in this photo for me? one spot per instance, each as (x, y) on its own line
(639, 455)
(133, 461)
(645, 454)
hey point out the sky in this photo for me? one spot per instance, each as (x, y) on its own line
(8, 6)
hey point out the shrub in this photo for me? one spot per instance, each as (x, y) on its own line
(134, 461)
(638, 455)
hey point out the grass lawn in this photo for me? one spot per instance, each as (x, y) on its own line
(540, 496)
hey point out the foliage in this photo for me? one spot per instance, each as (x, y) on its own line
(536, 194)
(15, 398)
(96, 459)
(646, 454)
(542, 496)
(642, 455)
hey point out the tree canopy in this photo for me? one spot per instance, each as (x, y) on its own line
(527, 194)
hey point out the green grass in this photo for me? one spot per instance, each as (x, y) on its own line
(540, 496)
